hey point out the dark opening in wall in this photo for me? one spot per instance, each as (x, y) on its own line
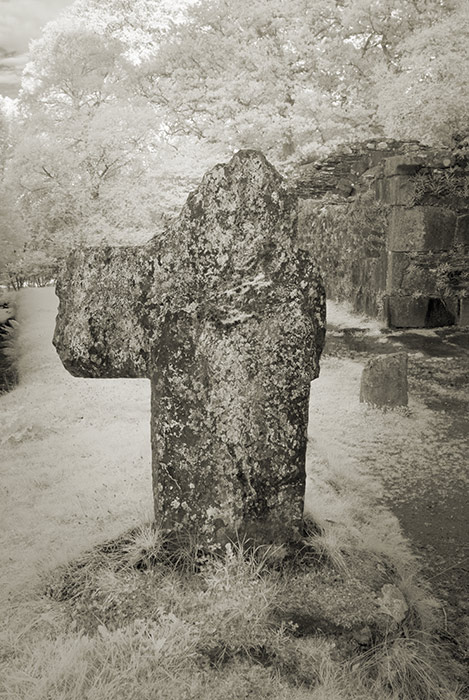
(438, 314)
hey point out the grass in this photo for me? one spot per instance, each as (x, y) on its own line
(144, 618)
(128, 619)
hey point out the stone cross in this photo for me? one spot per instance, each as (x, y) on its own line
(226, 317)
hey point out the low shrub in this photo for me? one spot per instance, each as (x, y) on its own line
(8, 342)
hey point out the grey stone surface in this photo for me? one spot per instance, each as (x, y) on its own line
(421, 229)
(403, 164)
(226, 316)
(392, 602)
(384, 381)
(396, 190)
(462, 230)
(464, 312)
(404, 205)
(411, 274)
(406, 311)
(397, 265)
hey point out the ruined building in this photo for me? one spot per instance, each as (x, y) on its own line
(388, 222)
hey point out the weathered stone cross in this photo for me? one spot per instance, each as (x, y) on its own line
(226, 317)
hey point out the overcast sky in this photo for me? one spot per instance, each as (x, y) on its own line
(21, 21)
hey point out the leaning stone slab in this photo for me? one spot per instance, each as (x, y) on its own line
(226, 317)
(384, 381)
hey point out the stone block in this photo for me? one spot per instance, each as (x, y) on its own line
(396, 268)
(453, 308)
(384, 381)
(439, 313)
(345, 187)
(379, 188)
(463, 319)
(462, 230)
(421, 229)
(403, 164)
(406, 311)
(410, 275)
(396, 190)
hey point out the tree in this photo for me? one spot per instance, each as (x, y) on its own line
(241, 75)
(289, 78)
(12, 234)
(425, 94)
(126, 103)
(93, 163)
(79, 163)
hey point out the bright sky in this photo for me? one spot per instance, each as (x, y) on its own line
(21, 21)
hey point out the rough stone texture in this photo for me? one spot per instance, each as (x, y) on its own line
(398, 264)
(384, 381)
(421, 311)
(390, 219)
(406, 311)
(462, 230)
(348, 242)
(464, 312)
(421, 228)
(226, 316)
(392, 602)
(411, 274)
(341, 172)
(395, 190)
(109, 311)
(403, 164)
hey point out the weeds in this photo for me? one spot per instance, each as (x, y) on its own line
(439, 184)
(9, 328)
(135, 622)
(409, 668)
(144, 616)
(213, 634)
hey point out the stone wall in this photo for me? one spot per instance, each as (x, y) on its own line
(388, 222)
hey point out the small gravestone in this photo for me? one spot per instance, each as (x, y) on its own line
(384, 381)
(226, 317)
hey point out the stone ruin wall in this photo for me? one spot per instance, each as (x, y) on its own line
(388, 223)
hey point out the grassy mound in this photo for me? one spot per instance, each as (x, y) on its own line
(139, 618)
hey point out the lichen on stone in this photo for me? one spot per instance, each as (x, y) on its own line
(226, 316)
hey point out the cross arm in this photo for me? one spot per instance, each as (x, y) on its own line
(108, 311)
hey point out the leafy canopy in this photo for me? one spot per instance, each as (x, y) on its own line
(125, 103)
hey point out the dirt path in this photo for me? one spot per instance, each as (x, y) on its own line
(420, 453)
